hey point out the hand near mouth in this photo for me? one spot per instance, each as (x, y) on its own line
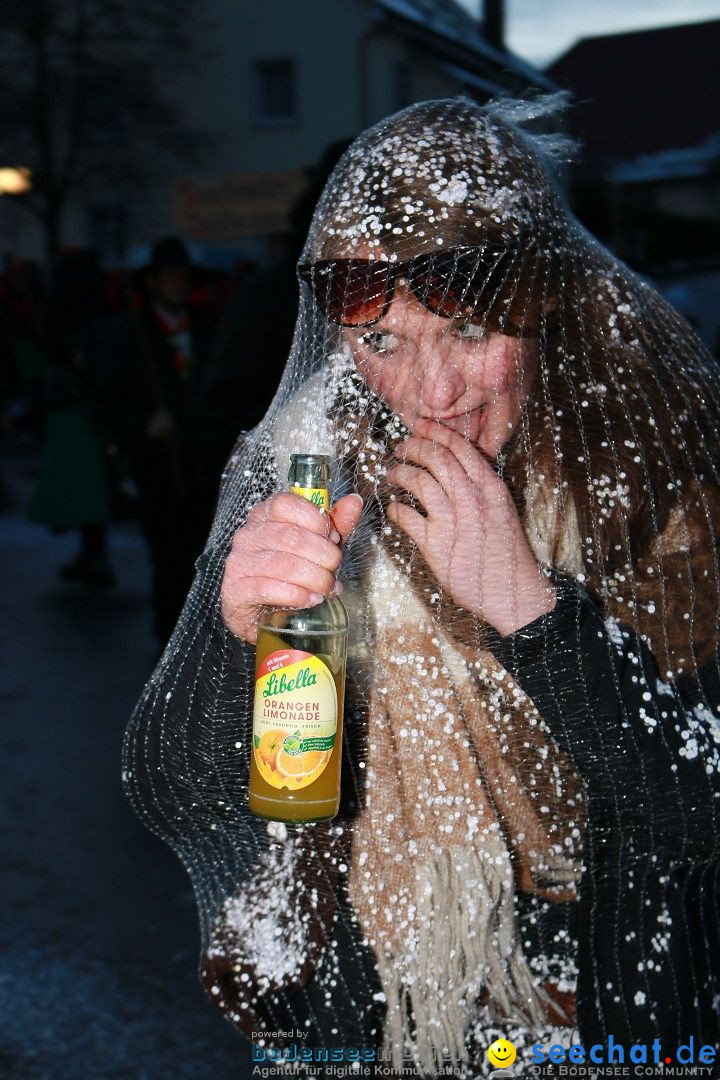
(472, 538)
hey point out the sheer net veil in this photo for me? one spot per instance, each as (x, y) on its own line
(527, 841)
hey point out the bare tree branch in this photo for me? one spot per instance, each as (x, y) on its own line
(82, 94)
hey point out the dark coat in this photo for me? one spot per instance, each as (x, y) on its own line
(648, 947)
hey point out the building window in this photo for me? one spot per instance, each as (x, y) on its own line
(275, 91)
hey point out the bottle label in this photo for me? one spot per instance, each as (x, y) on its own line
(318, 496)
(295, 718)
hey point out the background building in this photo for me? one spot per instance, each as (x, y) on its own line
(648, 183)
(278, 83)
(284, 87)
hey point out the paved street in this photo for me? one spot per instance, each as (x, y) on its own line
(99, 937)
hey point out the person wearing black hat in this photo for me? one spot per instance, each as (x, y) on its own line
(152, 395)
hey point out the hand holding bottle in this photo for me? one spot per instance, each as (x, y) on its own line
(285, 555)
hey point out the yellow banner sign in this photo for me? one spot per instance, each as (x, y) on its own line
(244, 204)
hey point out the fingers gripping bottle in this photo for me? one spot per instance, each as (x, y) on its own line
(299, 692)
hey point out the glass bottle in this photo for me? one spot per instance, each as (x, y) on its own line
(299, 692)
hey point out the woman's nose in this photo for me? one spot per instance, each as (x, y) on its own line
(441, 381)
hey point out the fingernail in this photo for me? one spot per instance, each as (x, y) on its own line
(355, 495)
(316, 598)
(335, 536)
(338, 589)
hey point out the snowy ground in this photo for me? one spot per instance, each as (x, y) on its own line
(98, 939)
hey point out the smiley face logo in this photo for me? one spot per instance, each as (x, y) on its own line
(501, 1053)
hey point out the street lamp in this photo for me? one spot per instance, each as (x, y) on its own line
(15, 181)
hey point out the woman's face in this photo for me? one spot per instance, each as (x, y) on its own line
(472, 380)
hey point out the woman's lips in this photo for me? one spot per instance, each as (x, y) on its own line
(468, 424)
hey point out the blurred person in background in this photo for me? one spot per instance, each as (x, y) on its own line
(151, 394)
(73, 491)
(23, 322)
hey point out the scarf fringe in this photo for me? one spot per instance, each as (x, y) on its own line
(465, 943)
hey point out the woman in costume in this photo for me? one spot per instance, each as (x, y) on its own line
(527, 842)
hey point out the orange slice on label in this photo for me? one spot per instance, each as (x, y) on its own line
(269, 746)
(300, 766)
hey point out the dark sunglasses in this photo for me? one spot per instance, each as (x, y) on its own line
(450, 283)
